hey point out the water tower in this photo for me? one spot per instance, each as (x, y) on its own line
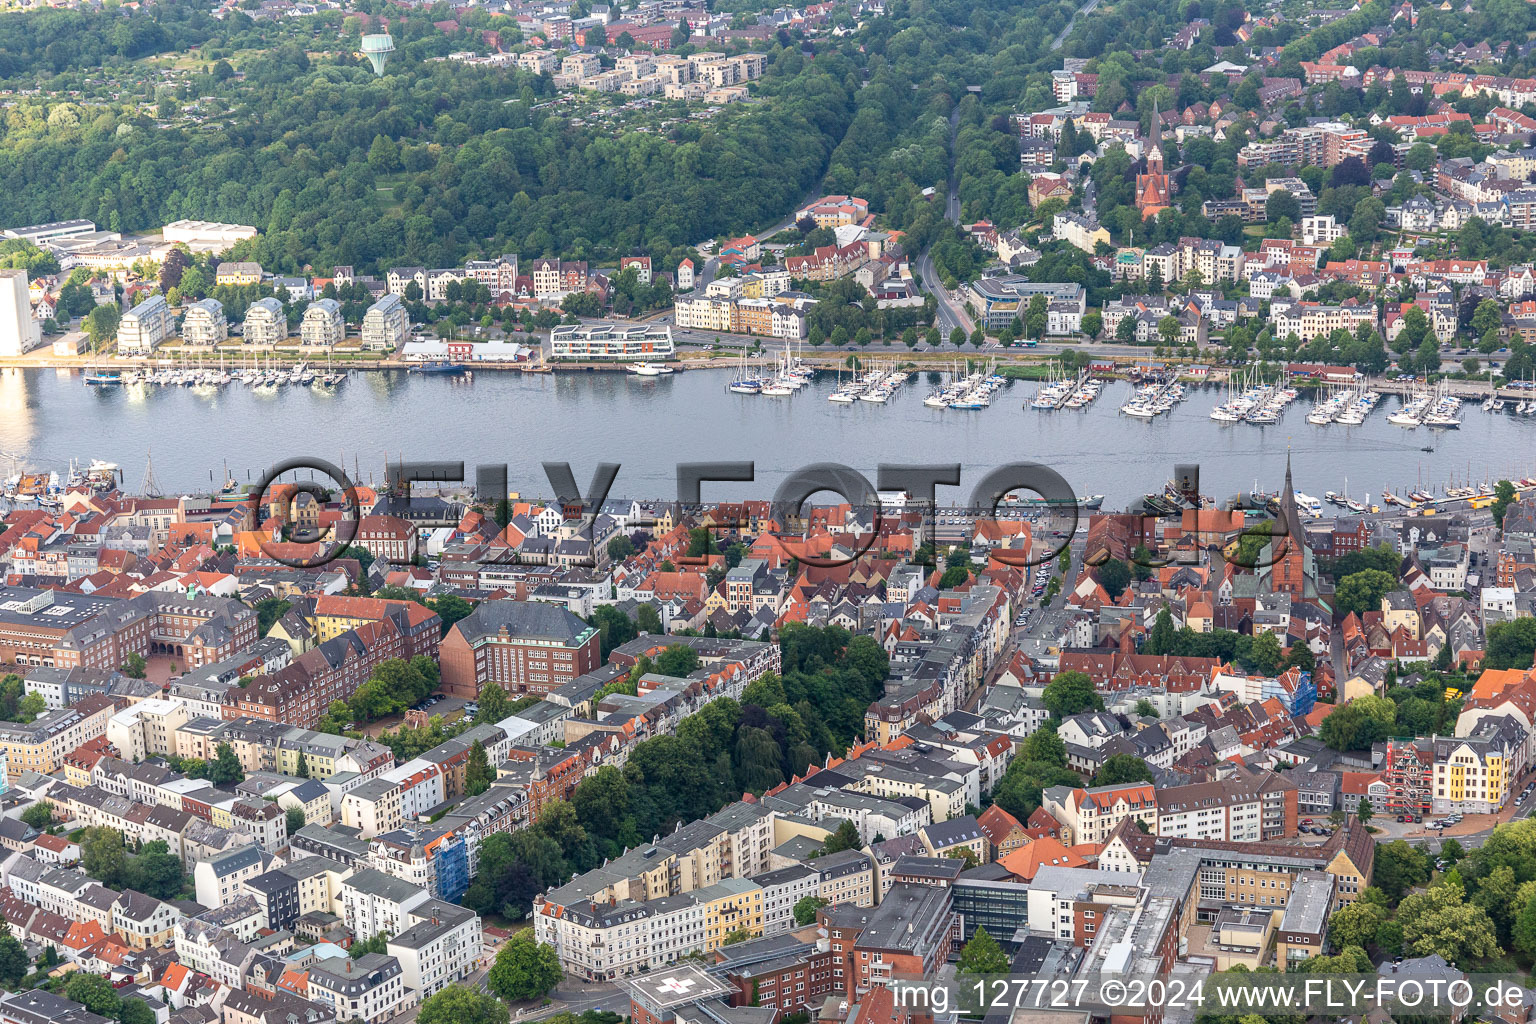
(377, 49)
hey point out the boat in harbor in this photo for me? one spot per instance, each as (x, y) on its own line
(650, 369)
(100, 379)
(436, 368)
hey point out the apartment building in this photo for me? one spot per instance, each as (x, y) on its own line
(385, 325)
(265, 322)
(442, 946)
(1241, 805)
(1090, 815)
(604, 340)
(370, 988)
(323, 324)
(375, 807)
(144, 327)
(370, 902)
(204, 324)
(1310, 320)
(1474, 774)
(42, 744)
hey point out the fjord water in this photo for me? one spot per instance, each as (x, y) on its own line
(648, 425)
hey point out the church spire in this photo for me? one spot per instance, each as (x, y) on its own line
(1155, 137)
(1288, 507)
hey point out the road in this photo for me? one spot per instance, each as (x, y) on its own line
(951, 313)
(1030, 604)
(1061, 37)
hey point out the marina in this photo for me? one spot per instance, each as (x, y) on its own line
(648, 425)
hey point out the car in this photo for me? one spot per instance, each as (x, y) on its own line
(1401, 818)
(1306, 821)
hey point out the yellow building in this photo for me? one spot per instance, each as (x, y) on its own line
(238, 273)
(335, 614)
(1473, 774)
(730, 906)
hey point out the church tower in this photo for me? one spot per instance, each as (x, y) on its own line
(1153, 192)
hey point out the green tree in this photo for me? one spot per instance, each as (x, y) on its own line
(1486, 317)
(1364, 811)
(495, 705)
(1437, 920)
(806, 907)
(461, 1004)
(1398, 868)
(225, 769)
(94, 992)
(1355, 924)
(1145, 708)
(1511, 644)
(14, 962)
(1044, 746)
(954, 576)
(1122, 769)
(1362, 592)
(133, 665)
(450, 609)
(295, 819)
(1503, 496)
(1265, 654)
(268, 611)
(301, 769)
(158, 872)
(982, 955)
(39, 816)
(1114, 576)
(524, 969)
(101, 325)
(103, 856)
(1169, 329)
(478, 773)
(1162, 637)
(845, 837)
(384, 155)
(1069, 693)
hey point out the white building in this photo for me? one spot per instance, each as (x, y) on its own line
(144, 327)
(441, 947)
(385, 325)
(218, 879)
(204, 323)
(369, 989)
(609, 340)
(206, 235)
(322, 324)
(371, 902)
(19, 330)
(265, 322)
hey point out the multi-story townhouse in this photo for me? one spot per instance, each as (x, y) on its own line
(1090, 815)
(370, 903)
(42, 744)
(370, 988)
(1242, 806)
(218, 879)
(441, 947)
